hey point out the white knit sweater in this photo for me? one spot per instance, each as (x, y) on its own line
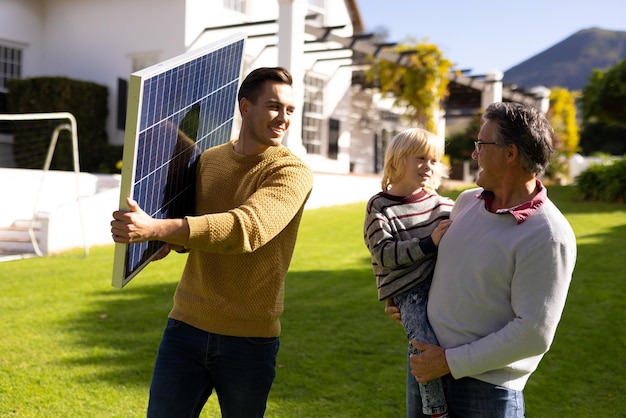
(499, 289)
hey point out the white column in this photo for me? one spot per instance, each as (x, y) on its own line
(439, 118)
(493, 89)
(542, 98)
(291, 21)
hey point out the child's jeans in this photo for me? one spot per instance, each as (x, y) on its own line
(412, 304)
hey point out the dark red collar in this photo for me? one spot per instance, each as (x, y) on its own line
(519, 212)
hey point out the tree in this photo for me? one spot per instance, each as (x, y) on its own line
(562, 116)
(600, 138)
(460, 145)
(603, 106)
(604, 98)
(420, 86)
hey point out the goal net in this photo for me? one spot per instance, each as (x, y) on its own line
(40, 172)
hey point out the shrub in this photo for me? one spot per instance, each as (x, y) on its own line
(85, 100)
(604, 182)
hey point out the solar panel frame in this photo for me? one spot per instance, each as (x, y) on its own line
(176, 110)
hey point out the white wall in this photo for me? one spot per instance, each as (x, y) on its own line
(262, 51)
(21, 24)
(54, 198)
(95, 40)
(577, 164)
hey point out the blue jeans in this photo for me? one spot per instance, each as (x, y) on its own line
(412, 304)
(191, 363)
(472, 398)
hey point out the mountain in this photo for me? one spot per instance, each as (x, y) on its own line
(569, 63)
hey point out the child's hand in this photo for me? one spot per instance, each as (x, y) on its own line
(440, 230)
(163, 252)
(393, 311)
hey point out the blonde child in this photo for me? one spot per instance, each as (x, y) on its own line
(403, 226)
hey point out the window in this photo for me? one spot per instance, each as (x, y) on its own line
(236, 5)
(333, 138)
(312, 115)
(122, 103)
(137, 62)
(389, 116)
(381, 141)
(10, 65)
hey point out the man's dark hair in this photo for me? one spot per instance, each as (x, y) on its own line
(527, 128)
(253, 83)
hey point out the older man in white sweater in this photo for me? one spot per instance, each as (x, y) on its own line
(503, 272)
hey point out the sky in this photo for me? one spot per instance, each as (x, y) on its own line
(487, 35)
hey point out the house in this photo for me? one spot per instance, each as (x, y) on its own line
(104, 41)
(344, 128)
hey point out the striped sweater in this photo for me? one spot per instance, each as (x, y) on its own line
(397, 233)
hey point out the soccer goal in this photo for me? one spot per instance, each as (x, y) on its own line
(35, 138)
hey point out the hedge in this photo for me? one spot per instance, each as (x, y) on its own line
(85, 100)
(604, 182)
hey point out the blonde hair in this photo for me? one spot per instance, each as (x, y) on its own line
(413, 142)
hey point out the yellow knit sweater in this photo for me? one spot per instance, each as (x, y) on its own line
(241, 246)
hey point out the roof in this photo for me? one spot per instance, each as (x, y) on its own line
(355, 16)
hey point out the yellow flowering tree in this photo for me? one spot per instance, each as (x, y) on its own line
(420, 83)
(562, 116)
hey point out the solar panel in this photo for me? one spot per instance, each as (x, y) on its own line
(176, 110)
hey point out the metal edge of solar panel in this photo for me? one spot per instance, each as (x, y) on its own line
(142, 125)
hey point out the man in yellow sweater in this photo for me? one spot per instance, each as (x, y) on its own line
(223, 331)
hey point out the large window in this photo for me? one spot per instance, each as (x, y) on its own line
(333, 138)
(312, 115)
(236, 5)
(381, 140)
(10, 65)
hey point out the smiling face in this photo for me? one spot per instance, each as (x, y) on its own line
(412, 162)
(265, 121)
(418, 170)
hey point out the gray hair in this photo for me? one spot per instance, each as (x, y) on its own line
(527, 128)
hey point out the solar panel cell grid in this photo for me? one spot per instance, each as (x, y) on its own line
(177, 109)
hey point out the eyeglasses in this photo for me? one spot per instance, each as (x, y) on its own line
(479, 144)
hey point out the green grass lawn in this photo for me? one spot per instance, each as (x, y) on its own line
(73, 346)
